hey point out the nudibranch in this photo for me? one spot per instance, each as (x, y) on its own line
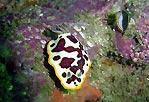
(69, 59)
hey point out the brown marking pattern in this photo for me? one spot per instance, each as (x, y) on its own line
(73, 78)
(69, 49)
(72, 38)
(74, 69)
(66, 62)
(72, 49)
(81, 63)
(60, 45)
(55, 58)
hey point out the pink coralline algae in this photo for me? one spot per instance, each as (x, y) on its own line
(143, 29)
(96, 6)
(32, 34)
(37, 81)
(27, 46)
(67, 13)
(124, 46)
(27, 41)
(136, 50)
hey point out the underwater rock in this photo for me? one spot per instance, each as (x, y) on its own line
(86, 93)
(28, 39)
(26, 63)
(95, 6)
(57, 96)
(27, 46)
(37, 81)
(144, 21)
(124, 45)
(143, 33)
(136, 49)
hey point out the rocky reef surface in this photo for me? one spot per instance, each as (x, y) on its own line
(119, 70)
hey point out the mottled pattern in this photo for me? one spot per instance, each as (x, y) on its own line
(69, 59)
(66, 62)
(60, 46)
(72, 38)
(55, 58)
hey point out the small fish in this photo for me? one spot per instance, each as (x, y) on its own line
(122, 20)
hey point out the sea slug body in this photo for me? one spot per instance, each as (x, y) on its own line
(69, 60)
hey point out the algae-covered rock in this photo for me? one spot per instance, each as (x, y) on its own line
(119, 70)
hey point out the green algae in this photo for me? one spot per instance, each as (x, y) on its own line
(96, 32)
(6, 85)
(119, 83)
